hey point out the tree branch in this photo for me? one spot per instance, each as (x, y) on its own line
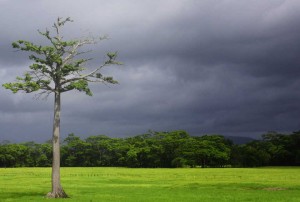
(44, 94)
(82, 76)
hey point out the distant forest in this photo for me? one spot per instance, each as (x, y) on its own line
(158, 150)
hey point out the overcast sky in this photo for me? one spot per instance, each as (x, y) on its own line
(225, 67)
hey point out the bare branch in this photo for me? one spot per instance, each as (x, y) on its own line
(42, 95)
(82, 76)
(73, 51)
(47, 35)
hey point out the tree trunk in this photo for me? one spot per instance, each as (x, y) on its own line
(57, 190)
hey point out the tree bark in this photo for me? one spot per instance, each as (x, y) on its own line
(57, 190)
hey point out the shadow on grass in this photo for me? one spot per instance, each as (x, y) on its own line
(20, 195)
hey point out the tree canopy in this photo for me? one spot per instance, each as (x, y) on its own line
(158, 149)
(58, 67)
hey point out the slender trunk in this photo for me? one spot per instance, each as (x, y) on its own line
(57, 190)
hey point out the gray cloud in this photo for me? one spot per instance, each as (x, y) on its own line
(206, 66)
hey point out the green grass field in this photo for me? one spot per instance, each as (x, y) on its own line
(125, 184)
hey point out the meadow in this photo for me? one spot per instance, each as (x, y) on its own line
(127, 184)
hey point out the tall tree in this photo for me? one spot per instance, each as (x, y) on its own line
(58, 68)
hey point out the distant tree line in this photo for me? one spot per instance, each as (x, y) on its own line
(158, 150)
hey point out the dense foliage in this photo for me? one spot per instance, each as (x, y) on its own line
(158, 149)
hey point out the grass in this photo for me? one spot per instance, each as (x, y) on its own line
(125, 184)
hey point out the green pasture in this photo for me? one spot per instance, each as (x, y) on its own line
(127, 184)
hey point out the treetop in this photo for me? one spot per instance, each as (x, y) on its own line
(58, 67)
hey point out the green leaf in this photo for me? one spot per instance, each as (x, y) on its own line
(110, 79)
(15, 45)
(80, 85)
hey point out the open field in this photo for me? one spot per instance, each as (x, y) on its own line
(125, 184)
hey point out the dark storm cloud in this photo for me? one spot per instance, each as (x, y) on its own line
(221, 66)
